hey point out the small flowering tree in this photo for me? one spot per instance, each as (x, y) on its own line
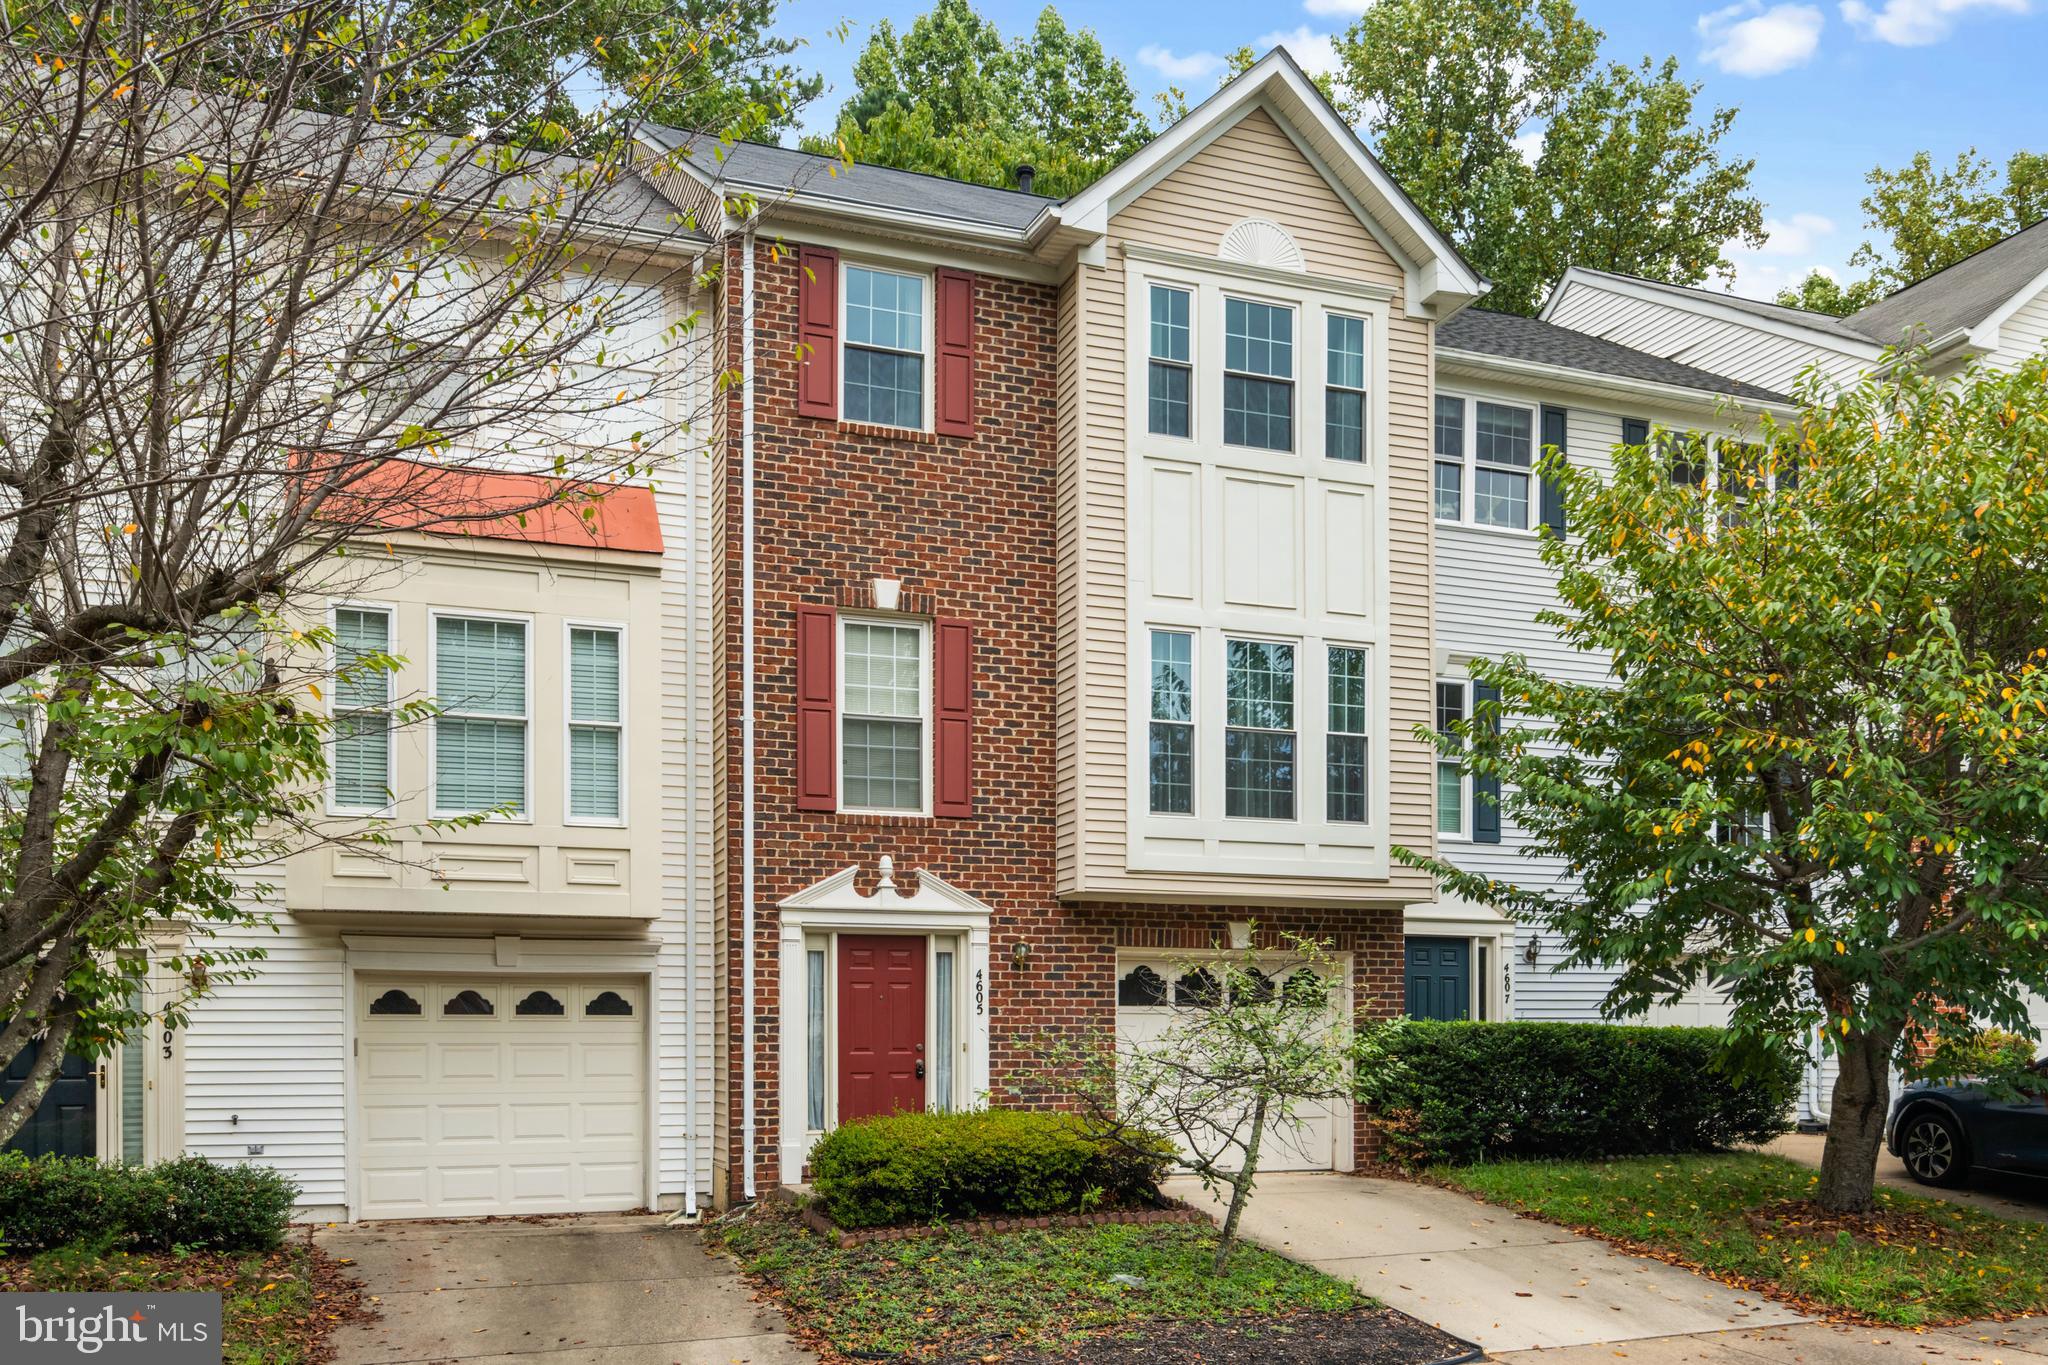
(1817, 769)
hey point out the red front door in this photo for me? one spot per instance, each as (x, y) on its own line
(881, 1024)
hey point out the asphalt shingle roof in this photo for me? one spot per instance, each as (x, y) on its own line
(777, 170)
(1778, 312)
(1962, 295)
(1480, 332)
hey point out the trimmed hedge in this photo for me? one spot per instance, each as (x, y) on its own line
(1466, 1092)
(190, 1202)
(913, 1168)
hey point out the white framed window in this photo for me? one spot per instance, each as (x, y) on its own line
(1346, 749)
(482, 680)
(1169, 372)
(1258, 374)
(1171, 757)
(1453, 791)
(360, 743)
(1485, 462)
(1259, 733)
(884, 715)
(1344, 389)
(886, 323)
(595, 707)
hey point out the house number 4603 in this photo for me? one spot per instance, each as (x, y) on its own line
(980, 993)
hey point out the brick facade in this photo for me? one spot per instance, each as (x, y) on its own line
(967, 526)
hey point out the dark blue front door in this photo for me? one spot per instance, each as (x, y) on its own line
(64, 1124)
(1439, 978)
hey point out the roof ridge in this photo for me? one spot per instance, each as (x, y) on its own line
(1934, 275)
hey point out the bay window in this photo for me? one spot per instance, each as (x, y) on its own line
(359, 758)
(1172, 737)
(596, 724)
(1344, 391)
(883, 700)
(1169, 372)
(480, 735)
(1259, 733)
(1344, 767)
(1258, 375)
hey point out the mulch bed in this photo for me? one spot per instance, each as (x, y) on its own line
(1172, 1211)
(1880, 1227)
(1363, 1336)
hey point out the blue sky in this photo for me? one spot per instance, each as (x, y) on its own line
(1827, 90)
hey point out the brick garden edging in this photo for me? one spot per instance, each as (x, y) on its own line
(848, 1238)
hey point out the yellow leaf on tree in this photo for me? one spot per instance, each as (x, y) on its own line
(1810, 934)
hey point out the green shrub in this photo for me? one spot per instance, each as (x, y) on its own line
(912, 1168)
(1987, 1054)
(191, 1202)
(1465, 1092)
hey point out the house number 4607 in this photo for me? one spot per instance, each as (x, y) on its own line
(980, 993)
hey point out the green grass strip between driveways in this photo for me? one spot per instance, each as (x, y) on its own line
(1031, 1288)
(1935, 1262)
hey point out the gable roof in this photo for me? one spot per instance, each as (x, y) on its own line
(770, 171)
(1692, 295)
(1960, 296)
(1478, 331)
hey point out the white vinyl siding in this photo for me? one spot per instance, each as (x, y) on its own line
(480, 681)
(596, 723)
(360, 756)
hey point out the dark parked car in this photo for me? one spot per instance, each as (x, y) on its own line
(1944, 1131)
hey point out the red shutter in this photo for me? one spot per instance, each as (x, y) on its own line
(953, 392)
(953, 719)
(817, 704)
(817, 328)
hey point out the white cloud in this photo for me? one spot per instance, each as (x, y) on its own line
(1529, 144)
(1748, 40)
(1916, 23)
(1317, 52)
(1789, 254)
(1350, 9)
(1798, 235)
(1192, 66)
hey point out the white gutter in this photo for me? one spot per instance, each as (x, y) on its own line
(747, 715)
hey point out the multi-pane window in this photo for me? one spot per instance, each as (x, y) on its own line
(1450, 776)
(360, 760)
(882, 716)
(1450, 459)
(884, 347)
(1172, 778)
(1170, 371)
(1258, 375)
(596, 723)
(480, 734)
(1344, 394)
(1344, 777)
(1258, 733)
(1503, 450)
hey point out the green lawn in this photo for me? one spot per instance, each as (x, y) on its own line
(1027, 1288)
(1915, 1262)
(268, 1308)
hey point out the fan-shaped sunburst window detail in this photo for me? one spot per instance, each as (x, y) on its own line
(609, 1003)
(538, 1002)
(1261, 241)
(1141, 986)
(468, 1002)
(394, 1001)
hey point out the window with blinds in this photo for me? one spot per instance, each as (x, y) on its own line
(596, 723)
(359, 760)
(480, 734)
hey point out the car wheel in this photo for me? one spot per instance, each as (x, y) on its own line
(1932, 1148)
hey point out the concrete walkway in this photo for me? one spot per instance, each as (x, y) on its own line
(615, 1290)
(2008, 1196)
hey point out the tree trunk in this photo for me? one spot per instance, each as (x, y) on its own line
(21, 1107)
(1241, 1186)
(1848, 1163)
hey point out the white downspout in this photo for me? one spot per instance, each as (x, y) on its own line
(693, 701)
(747, 714)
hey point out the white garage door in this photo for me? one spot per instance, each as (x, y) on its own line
(478, 1096)
(1150, 992)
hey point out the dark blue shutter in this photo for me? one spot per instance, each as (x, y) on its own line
(1635, 431)
(1485, 786)
(1553, 495)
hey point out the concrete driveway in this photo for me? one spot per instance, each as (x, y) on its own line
(1535, 1294)
(613, 1290)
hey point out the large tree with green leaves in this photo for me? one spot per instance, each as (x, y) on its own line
(951, 96)
(1503, 123)
(1926, 217)
(1816, 770)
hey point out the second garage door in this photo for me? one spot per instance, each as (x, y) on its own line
(480, 1096)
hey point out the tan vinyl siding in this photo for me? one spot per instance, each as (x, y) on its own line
(1253, 169)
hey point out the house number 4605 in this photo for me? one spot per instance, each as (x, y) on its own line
(980, 993)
